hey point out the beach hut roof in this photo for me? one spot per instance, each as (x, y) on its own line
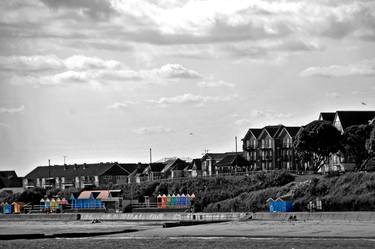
(159, 196)
(104, 194)
(173, 195)
(168, 195)
(183, 195)
(270, 199)
(85, 195)
(164, 195)
(178, 195)
(42, 200)
(47, 200)
(192, 195)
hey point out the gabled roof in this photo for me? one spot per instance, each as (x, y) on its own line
(76, 170)
(174, 164)
(233, 160)
(9, 179)
(197, 162)
(217, 156)
(156, 167)
(327, 116)
(292, 130)
(252, 132)
(273, 130)
(349, 118)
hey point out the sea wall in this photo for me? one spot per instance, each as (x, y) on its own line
(39, 217)
(345, 216)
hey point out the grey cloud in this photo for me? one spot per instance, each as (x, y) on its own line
(153, 130)
(364, 68)
(96, 9)
(12, 110)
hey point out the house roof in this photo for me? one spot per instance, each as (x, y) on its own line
(217, 156)
(273, 130)
(252, 131)
(233, 160)
(76, 170)
(174, 164)
(156, 167)
(197, 162)
(349, 118)
(327, 116)
(292, 130)
(9, 179)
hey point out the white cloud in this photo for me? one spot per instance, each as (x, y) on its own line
(177, 71)
(364, 68)
(120, 105)
(12, 110)
(83, 69)
(212, 83)
(190, 99)
(269, 114)
(153, 130)
(31, 63)
(81, 62)
(243, 122)
(4, 125)
(333, 94)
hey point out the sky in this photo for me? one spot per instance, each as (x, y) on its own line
(105, 80)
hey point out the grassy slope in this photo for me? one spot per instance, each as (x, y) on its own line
(348, 192)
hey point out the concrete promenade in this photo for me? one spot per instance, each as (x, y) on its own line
(264, 216)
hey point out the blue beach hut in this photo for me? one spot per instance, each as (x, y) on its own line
(7, 208)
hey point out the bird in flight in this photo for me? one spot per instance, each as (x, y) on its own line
(363, 103)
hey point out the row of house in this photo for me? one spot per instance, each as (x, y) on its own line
(271, 147)
(267, 148)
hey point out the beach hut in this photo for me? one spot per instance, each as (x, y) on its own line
(173, 200)
(41, 204)
(183, 200)
(159, 201)
(7, 208)
(73, 200)
(54, 205)
(16, 207)
(86, 199)
(169, 200)
(163, 201)
(178, 200)
(47, 204)
(279, 205)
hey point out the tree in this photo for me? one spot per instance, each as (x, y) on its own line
(318, 139)
(370, 141)
(354, 142)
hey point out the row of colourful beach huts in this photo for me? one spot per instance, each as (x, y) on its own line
(175, 201)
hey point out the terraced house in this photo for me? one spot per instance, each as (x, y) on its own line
(78, 175)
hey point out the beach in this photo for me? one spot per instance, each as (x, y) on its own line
(232, 234)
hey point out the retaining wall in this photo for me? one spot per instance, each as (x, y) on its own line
(39, 217)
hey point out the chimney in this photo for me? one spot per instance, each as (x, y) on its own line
(65, 167)
(84, 166)
(75, 166)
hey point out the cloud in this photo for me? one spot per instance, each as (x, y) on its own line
(269, 114)
(30, 63)
(4, 125)
(212, 83)
(333, 94)
(120, 105)
(365, 68)
(52, 70)
(190, 99)
(96, 9)
(177, 71)
(243, 122)
(12, 110)
(153, 130)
